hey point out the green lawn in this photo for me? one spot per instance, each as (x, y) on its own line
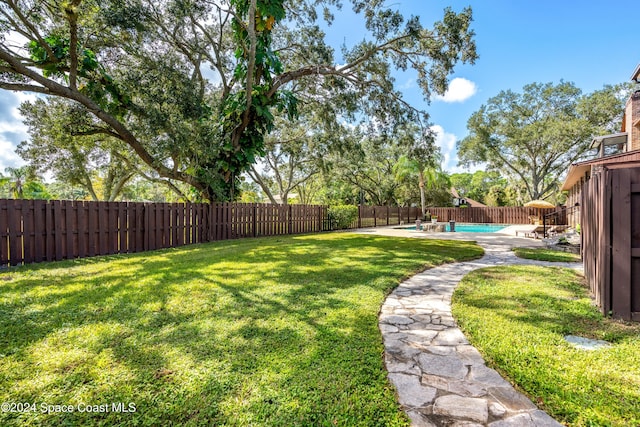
(544, 254)
(517, 317)
(275, 331)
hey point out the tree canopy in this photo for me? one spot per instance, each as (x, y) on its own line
(191, 87)
(532, 137)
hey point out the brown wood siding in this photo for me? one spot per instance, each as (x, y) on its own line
(611, 240)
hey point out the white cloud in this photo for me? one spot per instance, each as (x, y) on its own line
(447, 143)
(409, 84)
(8, 156)
(459, 90)
(12, 130)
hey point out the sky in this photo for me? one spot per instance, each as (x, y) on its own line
(589, 43)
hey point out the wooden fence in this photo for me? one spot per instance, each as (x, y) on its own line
(611, 240)
(376, 216)
(372, 216)
(37, 230)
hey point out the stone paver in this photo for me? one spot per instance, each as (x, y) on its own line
(441, 380)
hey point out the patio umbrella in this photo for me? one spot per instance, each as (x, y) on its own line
(539, 204)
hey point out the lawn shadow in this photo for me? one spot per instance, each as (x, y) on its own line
(198, 326)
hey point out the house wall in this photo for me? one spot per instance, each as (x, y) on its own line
(632, 121)
(573, 198)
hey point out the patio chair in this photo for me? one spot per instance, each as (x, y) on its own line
(534, 231)
(557, 229)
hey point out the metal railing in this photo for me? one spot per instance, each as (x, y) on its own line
(560, 215)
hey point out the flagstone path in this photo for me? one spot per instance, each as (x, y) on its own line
(442, 380)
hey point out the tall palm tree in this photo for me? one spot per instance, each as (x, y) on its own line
(16, 179)
(407, 168)
(432, 180)
(23, 182)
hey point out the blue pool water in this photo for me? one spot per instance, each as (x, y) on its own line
(478, 228)
(472, 228)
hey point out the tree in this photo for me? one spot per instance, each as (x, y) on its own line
(291, 158)
(535, 135)
(191, 86)
(23, 183)
(63, 142)
(478, 186)
(438, 187)
(362, 172)
(422, 158)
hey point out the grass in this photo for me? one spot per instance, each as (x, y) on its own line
(517, 317)
(543, 254)
(275, 331)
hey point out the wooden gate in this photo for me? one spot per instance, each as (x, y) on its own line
(611, 240)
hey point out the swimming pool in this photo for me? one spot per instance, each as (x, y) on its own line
(472, 228)
(478, 228)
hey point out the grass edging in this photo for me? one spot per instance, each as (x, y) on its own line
(546, 254)
(517, 316)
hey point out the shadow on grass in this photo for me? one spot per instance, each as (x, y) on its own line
(550, 309)
(284, 329)
(518, 315)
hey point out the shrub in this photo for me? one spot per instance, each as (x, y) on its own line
(341, 216)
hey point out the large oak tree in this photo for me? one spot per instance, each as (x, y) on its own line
(191, 86)
(535, 135)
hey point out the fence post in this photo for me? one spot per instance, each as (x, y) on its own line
(375, 218)
(254, 219)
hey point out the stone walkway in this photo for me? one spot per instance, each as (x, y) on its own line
(442, 380)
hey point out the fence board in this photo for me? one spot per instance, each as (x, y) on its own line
(28, 235)
(82, 229)
(58, 229)
(70, 221)
(621, 244)
(123, 243)
(4, 232)
(610, 215)
(39, 236)
(15, 232)
(92, 228)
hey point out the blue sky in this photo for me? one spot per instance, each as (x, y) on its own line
(590, 43)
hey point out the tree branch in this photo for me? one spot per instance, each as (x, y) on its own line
(98, 131)
(72, 15)
(125, 134)
(251, 65)
(22, 87)
(329, 70)
(34, 32)
(255, 176)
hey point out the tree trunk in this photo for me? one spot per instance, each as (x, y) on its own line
(422, 195)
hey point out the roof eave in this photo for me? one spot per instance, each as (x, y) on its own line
(636, 74)
(612, 139)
